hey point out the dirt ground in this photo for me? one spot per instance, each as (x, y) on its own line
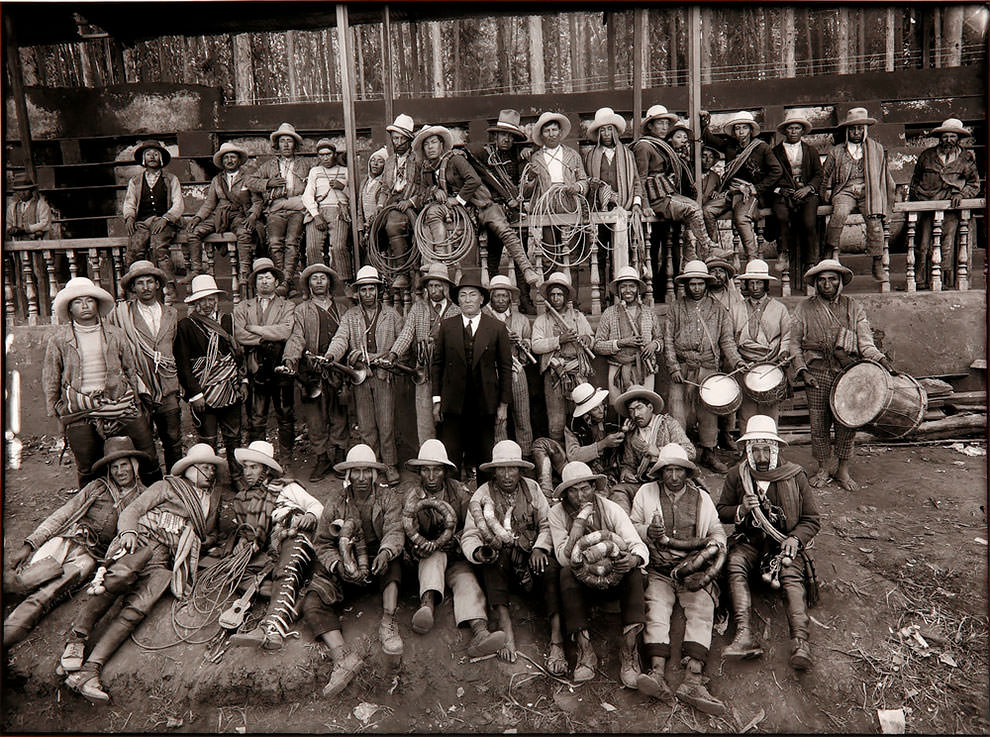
(910, 549)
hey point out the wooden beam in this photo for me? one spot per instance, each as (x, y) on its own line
(694, 88)
(387, 79)
(17, 89)
(290, 55)
(888, 44)
(346, 59)
(952, 38)
(436, 55)
(243, 68)
(639, 20)
(707, 38)
(790, 42)
(573, 42)
(537, 74)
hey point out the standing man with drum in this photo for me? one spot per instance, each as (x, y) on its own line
(762, 329)
(830, 331)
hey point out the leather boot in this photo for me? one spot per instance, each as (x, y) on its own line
(291, 259)
(726, 441)
(708, 459)
(388, 634)
(322, 468)
(629, 667)
(86, 682)
(21, 621)
(343, 673)
(653, 684)
(195, 265)
(745, 645)
(422, 621)
(800, 654)
(797, 620)
(693, 689)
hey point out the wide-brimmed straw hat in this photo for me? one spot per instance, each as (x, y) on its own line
(952, 125)
(116, 447)
(672, 454)
(259, 451)
(506, 453)
(757, 269)
(472, 278)
(403, 125)
(436, 271)
(23, 181)
(431, 453)
(743, 116)
(202, 285)
(637, 391)
(574, 473)
(318, 268)
(626, 273)
(722, 264)
(286, 129)
(586, 398)
(262, 265)
(367, 275)
(606, 116)
(794, 116)
(80, 286)
(502, 282)
(142, 268)
(360, 456)
(858, 116)
(145, 145)
(558, 279)
(694, 270)
(549, 117)
(199, 453)
(657, 112)
(446, 138)
(229, 148)
(762, 427)
(508, 122)
(828, 264)
(680, 125)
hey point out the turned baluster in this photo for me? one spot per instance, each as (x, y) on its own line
(9, 303)
(885, 258)
(535, 236)
(669, 263)
(647, 266)
(73, 266)
(483, 257)
(784, 266)
(30, 291)
(117, 257)
(909, 275)
(208, 255)
(235, 282)
(962, 260)
(596, 294)
(49, 258)
(937, 251)
(93, 264)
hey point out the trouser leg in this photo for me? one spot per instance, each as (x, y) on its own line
(556, 407)
(87, 448)
(383, 395)
(450, 434)
(711, 211)
(160, 244)
(168, 422)
(315, 239)
(687, 211)
(258, 406)
(806, 222)
(748, 408)
(630, 590)
(341, 257)
(923, 244)
(743, 214)
(283, 397)
(679, 406)
(493, 217)
(29, 612)
(469, 600)
(139, 431)
(520, 412)
(276, 226)
(549, 458)
(659, 598)
(425, 427)
(137, 244)
(293, 235)
(152, 584)
(314, 414)
(820, 414)
(229, 425)
(246, 248)
(699, 616)
(574, 601)
(842, 205)
(874, 235)
(950, 226)
(364, 400)
(196, 256)
(792, 583)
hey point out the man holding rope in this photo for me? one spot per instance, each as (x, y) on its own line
(157, 547)
(771, 504)
(90, 381)
(396, 214)
(150, 328)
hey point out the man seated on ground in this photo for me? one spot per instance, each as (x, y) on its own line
(433, 518)
(277, 517)
(519, 552)
(73, 538)
(772, 506)
(666, 514)
(362, 523)
(649, 430)
(159, 536)
(582, 510)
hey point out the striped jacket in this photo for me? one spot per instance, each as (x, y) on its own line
(421, 324)
(352, 334)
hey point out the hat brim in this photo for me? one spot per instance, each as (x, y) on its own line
(357, 283)
(21, 187)
(727, 125)
(961, 132)
(614, 120)
(714, 151)
(279, 274)
(806, 124)
(274, 136)
(686, 276)
(678, 127)
(559, 118)
(63, 299)
(622, 401)
(242, 155)
(614, 284)
(182, 464)
(485, 294)
(139, 153)
(722, 264)
(111, 457)
(844, 272)
(433, 130)
(126, 279)
(589, 404)
(548, 285)
(253, 456)
(672, 117)
(426, 277)
(565, 485)
(758, 277)
(400, 131)
(318, 269)
(518, 132)
(858, 121)
(657, 467)
(507, 287)
(507, 463)
(418, 463)
(349, 465)
(195, 297)
(759, 435)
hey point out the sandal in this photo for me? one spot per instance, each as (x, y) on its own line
(585, 668)
(556, 663)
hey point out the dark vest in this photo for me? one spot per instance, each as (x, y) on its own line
(607, 172)
(153, 200)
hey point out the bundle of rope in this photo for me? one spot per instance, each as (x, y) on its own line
(458, 234)
(570, 215)
(214, 588)
(410, 524)
(389, 265)
(592, 559)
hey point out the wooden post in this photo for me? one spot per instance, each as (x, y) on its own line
(537, 74)
(243, 68)
(639, 20)
(573, 44)
(610, 49)
(937, 23)
(962, 259)
(707, 26)
(912, 224)
(17, 89)
(387, 79)
(436, 52)
(888, 62)
(346, 59)
(694, 88)
(9, 277)
(843, 40)
(953, 35)
(290, 55)
(594, 276)
(789, 38)
(936, 249)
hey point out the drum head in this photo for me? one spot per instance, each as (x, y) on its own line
(763, 377)
(860, 393)
(719, 390)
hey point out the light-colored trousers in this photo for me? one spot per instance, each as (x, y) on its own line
(699, 613)
(469, 600)
(520, 415)
(686, 406)
(426, 428)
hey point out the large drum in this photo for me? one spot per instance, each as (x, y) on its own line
(866, 395)
(720, 394)
(765, 383)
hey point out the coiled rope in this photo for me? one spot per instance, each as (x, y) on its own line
(557, 206)
(388, 265)
(459, 234)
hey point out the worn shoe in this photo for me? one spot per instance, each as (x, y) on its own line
(87, 684)
(388, 633)
(655, 686)
(709, 459)
(343, 673)
(485, 643)
(743, 647)
(72, 656)
(629, 667)
(322, 468)
(585, 668)
(800, 654)
(422, 621)
(253, 638)
(692, 691)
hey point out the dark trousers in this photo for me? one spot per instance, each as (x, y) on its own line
(469, 438)
(274, 392)
(323, 617)
(227, 422)
(500, 575)
(577, 599)
(167, 420)
(245, 244)
(87, 447)
(659, 236)
(745, 558)
(798, 234)
(143, 240)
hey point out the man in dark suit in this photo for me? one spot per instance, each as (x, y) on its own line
(472, 377)
(797, 195)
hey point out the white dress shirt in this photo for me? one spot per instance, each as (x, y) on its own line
(555, 164)
(472, 322)
(151, 314)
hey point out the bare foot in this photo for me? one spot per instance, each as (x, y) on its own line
(508, 653)
(846, 482)
(819, 479)
(556, 659)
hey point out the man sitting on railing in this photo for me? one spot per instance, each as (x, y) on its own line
(397, 188)
(943, 172)
(28, 215)
(856, 172)
(152, 211)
